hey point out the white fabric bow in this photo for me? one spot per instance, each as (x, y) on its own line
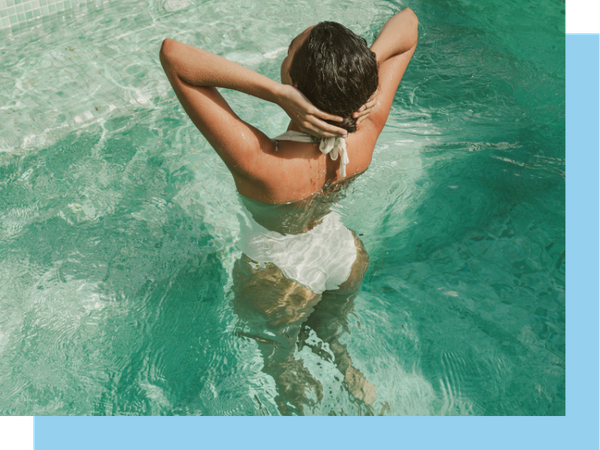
(334, 147)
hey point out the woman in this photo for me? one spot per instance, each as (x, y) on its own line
(301, 268)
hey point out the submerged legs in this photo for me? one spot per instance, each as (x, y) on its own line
(330, 320)
(277, 312)
(272, 309)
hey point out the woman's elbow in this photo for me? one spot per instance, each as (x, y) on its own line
(413, 20)
(409, 12)
(412, 23)
(168, 49)
(165, 49)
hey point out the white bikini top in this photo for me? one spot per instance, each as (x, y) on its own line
(329, 145)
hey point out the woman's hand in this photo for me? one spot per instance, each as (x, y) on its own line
(308, 117)
(366, 109)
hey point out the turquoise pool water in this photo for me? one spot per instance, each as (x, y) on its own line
(118, 232)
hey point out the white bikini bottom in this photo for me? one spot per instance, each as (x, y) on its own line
(320, 259)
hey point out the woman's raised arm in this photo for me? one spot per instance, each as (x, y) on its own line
(201, 69)
(398, 35)
(393, 48)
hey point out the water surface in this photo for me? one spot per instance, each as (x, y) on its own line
(118, 224)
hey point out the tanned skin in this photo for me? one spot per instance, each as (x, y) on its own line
(264, 299)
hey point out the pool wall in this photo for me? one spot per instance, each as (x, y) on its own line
(17, 12)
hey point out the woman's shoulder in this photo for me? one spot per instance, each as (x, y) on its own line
(293, 169)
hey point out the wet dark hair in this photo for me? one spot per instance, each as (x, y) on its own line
(336, 71)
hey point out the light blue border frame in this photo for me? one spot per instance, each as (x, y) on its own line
(578, 429)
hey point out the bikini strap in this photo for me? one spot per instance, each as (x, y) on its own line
(332, 146)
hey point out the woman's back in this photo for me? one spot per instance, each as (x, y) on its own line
(290, 171)
(299, 216)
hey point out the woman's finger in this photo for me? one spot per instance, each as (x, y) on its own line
(310, 131)
(362, 114)
(310, 128)
(318, 114)
(370, 103)
(335, 132)
(324, 128)
(365, 109)
(326, 116)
